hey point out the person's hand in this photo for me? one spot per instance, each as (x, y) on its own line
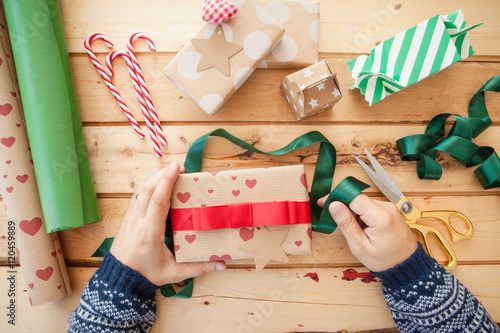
(376, 232)
(140, 244)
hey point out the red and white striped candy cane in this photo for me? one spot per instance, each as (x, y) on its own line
(142, 82)
(107, 80)
(138, 93)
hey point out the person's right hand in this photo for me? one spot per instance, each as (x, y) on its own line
(376, 232)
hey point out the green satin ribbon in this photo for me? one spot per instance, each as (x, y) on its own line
(321, 220)
(423, 148)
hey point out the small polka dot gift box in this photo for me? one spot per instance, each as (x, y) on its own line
(311, 90)
(222, 56)
(251, 213)
(299, 45)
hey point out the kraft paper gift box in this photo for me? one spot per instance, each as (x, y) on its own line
(411, 56)
(311, 90)
(222, 56)
(298, 47)
(214, 213)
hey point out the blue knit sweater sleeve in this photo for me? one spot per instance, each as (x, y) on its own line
(423, 296)
(116, 299)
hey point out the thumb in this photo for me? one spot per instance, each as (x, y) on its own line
(194, 269)
(346, 221)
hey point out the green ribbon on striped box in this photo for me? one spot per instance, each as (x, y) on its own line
(411, 56)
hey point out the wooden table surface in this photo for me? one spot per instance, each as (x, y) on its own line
(280, 298)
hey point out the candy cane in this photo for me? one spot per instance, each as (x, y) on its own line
(107, 80)
(138, 92)
(142, 82)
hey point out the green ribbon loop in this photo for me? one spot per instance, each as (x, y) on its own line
(345, 192)
(423, 148)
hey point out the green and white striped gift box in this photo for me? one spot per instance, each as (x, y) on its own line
(411, 56)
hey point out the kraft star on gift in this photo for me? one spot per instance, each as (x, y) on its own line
(313, 103)
(308, 73)
(216, 52)
(266, 246)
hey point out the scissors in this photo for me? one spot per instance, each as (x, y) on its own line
(411, 213)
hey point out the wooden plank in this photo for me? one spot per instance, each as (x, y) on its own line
(342, 29)
(448, 91)
(120, 160)
(327, 250)
(289, 301)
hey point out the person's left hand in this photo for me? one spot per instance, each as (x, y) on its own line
(140, 244)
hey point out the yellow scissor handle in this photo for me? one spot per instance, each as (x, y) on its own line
(445, 216)
(424, 230)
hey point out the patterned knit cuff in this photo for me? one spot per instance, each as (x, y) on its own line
(409, 271)
(124, 279)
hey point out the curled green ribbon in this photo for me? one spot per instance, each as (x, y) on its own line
(423, 148)
(321, 220)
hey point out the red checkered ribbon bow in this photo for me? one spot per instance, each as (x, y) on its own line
(218, 11)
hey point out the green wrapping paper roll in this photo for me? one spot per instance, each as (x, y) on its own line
(51, 113)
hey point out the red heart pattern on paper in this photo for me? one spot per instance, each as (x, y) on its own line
(210, 191)
(59, 287)
(59, 251)
(44, 274)
(8, 161)
(190, 238)
(195, 179)
(310, 233)
(214, 257)
(8, 142)
(5, 109)
(183, 197)
(13, 93)
(251, 183)
(303, 180)
(4, 176)
(9, 189)
(53, 253)
(31, 285)
(298, 243)
(213, 173)
(18, 125)
(31, 227)
(203, 205)
(234, 178)
(22, 178)
(236, 192)
(246, 234)
(218, 11)
(177, 247)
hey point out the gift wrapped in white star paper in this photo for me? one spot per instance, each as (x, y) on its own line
(311, 90)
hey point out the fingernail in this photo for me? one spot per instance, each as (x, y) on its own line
(219, 267)
(155, 170)
(174, 165)
(335, 208)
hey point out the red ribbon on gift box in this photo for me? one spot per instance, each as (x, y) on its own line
(239, 215)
